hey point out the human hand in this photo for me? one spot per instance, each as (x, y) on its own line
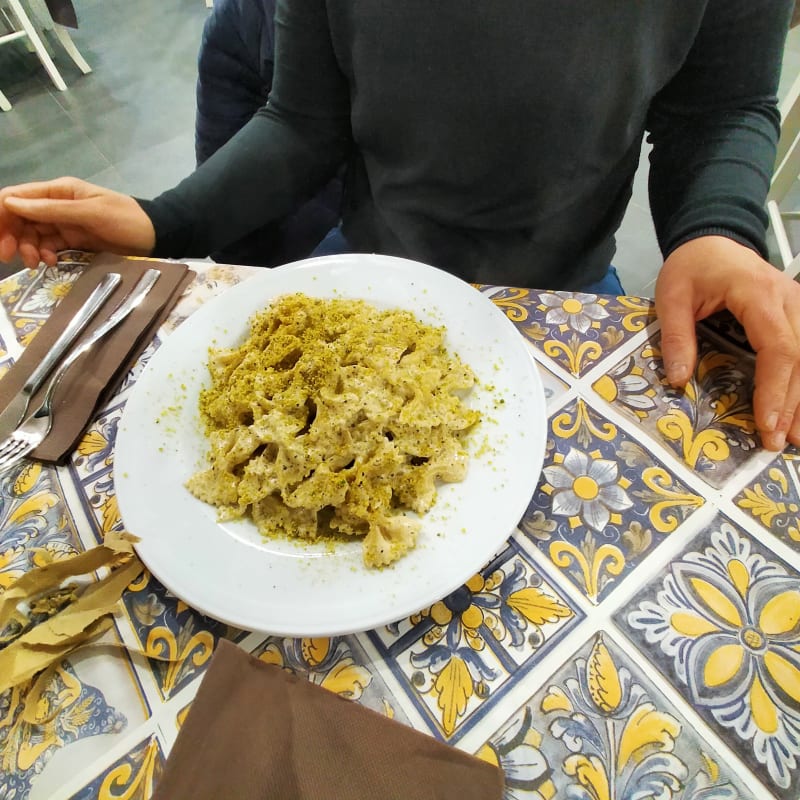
(712, 273)
(39, 219)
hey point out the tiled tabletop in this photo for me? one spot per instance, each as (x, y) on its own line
(638, 636)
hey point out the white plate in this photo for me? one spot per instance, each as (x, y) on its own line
(287, 588)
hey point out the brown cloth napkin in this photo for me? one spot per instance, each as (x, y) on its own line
(255, 732)
(95, 377)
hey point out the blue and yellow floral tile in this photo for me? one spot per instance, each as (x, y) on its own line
(725, 326)
(34, 528)
(17, 286)
(457, 659)
(133, 776)
(338, 664)
(578, 329)
(709, 425)
(553, 386)
(603, 502)
(773, 498)
(723, 623)
(177, 640)
(65, 710)
(91, 469)
(598, 729)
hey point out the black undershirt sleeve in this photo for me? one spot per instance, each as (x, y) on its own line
(715, 125)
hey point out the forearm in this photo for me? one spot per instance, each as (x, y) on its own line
(258, 176)
(715, 126)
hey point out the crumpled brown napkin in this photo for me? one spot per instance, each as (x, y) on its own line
(256, 732)
(97, 375)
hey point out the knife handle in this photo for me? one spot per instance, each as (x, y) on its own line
(131, 302)
(75, 327)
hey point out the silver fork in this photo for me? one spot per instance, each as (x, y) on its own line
(35, 428)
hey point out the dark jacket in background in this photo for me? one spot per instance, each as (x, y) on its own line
(234, 79)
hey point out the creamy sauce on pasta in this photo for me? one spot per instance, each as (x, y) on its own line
(335, 418)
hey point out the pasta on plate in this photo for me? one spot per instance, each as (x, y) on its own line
(335, 418)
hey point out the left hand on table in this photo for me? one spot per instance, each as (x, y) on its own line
(712, 273)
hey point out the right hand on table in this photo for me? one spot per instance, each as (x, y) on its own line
(39, 219)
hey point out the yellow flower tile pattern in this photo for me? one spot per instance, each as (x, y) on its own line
(34, 530)
(178, 641)
(629, 466)
(724, 624)
(598, 730)
(338, 664)
(773, 499)
(457, 659)
(132, 777)
(574, 329)
(604, 501)
(709, 424)
(39, 718)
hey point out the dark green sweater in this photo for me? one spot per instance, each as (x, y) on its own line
(498, 139)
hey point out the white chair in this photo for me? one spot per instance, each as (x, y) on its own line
(787, 170)
(19, 24)
(44, 22)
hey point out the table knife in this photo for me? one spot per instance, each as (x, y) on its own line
(14, 412)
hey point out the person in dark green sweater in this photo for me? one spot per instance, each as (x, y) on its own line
(499, 142)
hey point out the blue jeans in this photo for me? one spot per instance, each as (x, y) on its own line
(334, 244)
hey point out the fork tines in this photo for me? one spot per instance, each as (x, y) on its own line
(12, 451)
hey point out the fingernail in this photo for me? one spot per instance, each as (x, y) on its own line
(676, 372)
(772, 421)
(775, 441)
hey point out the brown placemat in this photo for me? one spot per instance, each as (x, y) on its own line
(255, 731)
(95, 377)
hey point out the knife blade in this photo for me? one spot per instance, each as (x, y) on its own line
(14, 412)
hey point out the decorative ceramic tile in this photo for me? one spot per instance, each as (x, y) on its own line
(572, 328)
(709, 424)
(178, 640)
(64, 710)
(13, 288)
(180, 717)
(211, 280)
(773, 499)
(91, 469)
(34, 528)
(598, 729)
(725, 325)
(554, 387)
(29, 297)
(603, 501)
(132, 777)
(338, 664)
(456, 659)
(723, 624)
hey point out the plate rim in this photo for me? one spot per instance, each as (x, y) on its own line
(264, 281)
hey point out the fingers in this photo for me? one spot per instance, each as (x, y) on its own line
(793, 398)
(64, 211)
(676, 312)
(8, 246)
(709, 273)
(59, 189)
(35, 242)
(773, 330)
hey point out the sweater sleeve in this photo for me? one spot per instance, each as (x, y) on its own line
(715, 125)
(287, 151)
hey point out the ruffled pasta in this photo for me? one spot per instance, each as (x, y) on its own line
(333, 418)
